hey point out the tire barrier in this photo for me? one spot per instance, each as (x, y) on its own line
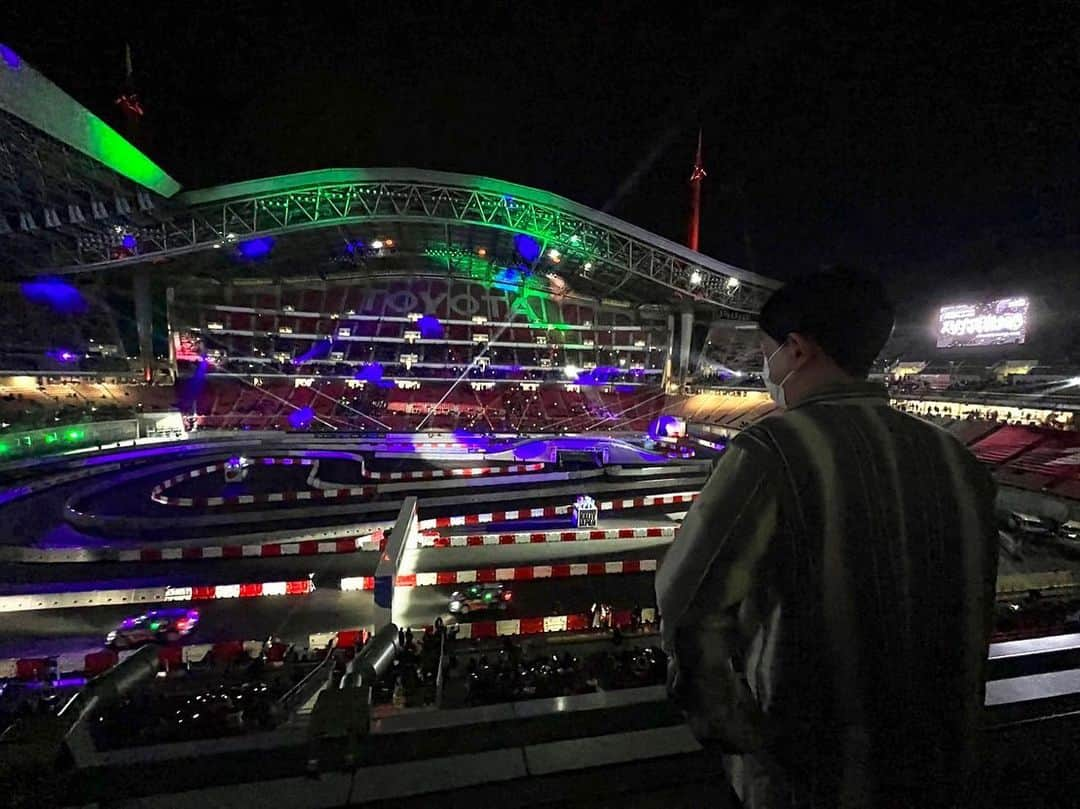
(435, 540)
(151, 595)
(494, 574)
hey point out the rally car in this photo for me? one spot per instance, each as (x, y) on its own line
(479, 597)
(155, 626)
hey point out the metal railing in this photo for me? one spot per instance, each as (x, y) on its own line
(343, 714)
(315, 679)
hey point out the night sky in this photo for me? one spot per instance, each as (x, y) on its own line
(930, 147)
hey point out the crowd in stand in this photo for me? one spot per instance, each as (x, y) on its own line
(411, 681)
(200, 705)
(34, 414)
(941, 414)
(507, 408)
(510, 674)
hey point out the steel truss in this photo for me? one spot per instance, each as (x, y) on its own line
(579, 240)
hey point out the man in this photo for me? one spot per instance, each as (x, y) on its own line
(828, 601)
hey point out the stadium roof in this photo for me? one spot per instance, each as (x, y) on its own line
(64, 173)
(76, 197)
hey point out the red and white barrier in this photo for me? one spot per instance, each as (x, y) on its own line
(157, 494)
(467, 472)
(387, 445)
(648, 500)
(210, 469)
(95, 662)
(493, 574)
(149, 595)
(529, 626)
(494, 516)
(271, 497)
(251, 590)
(435, 540)
(307, 547)
(556, 511)
(487, 629)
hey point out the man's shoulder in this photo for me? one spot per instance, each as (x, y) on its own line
(765, 434)
(773, 431)
(756, 438)
(763, 444)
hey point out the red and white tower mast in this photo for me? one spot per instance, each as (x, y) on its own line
(128, 101)
(696, 177)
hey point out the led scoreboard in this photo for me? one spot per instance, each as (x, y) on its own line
(995, 323)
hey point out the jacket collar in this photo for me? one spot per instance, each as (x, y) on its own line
(846, 391)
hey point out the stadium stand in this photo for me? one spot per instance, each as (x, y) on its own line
(423, 329)
(79, 334)
(31, 402)
(733, 409)
(505, 407)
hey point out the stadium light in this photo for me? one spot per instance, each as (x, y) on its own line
(571, 371)
(695, 278)
(733, 283)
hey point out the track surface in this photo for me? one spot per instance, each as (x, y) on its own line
(38, 520)
(294, 618)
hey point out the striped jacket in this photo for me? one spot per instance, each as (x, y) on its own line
(828, 601)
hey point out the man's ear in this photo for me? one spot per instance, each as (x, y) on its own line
(803, 349)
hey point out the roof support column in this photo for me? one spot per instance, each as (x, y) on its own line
(144, 321)
(669, 354)
(686, 332)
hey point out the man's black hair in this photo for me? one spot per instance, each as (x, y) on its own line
(844, 310)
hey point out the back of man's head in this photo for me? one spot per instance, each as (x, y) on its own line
(845, 311)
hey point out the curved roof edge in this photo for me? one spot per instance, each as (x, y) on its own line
(29, 96)
(289, 182)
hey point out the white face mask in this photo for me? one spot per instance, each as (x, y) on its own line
(775, 389)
